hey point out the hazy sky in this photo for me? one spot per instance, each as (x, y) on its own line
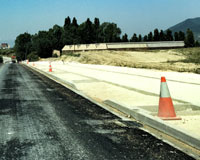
(132, 16)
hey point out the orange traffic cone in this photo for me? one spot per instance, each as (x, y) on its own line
(166, 108)
(50, 68)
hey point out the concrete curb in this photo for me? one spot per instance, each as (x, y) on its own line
(155, 122)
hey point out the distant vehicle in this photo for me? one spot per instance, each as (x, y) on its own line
(13, 59)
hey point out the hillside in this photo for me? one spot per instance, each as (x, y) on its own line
(193, 24)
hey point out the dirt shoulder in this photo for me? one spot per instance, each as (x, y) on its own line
(172, 59)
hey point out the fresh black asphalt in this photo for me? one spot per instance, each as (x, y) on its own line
(40, 119)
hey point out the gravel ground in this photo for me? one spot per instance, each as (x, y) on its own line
(40, 119)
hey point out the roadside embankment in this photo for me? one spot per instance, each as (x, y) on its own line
(181, 60)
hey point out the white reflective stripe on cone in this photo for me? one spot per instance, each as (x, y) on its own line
(164, 91)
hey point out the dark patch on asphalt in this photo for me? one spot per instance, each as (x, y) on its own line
(14, 149)
(52, 135)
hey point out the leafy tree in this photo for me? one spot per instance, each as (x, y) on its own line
(56, 34)
(145, 39)
(162, 36)
(97, 30)
(189, 40)
(140, 38)
(67, 22)
(96, 23)
(197, 44)
(176, 36)
(42, 44)
(150, 36)
(86, 32)
(169, 36)
(74, 32)
(33, 57)
(23, 46)
(125, 38)
(134, 38)
(156, 36)
(74, 22)
(109, 32)
(66, 36)
(181, 36)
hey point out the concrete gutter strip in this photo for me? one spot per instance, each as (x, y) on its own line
(158, 124)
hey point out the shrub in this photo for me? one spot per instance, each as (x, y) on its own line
(33, 57)
(55, 55)
(192, 55)
(1, 59)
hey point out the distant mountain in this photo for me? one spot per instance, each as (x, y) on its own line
(192, 23)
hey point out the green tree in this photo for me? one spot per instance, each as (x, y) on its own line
(197, 44)
(176, 37)
(181, 36)
(169, 36)
(140, 38)
(42, 44)
(33, 57)
(162, 35)
(156, 36)
(74, 22)
(189, 40)
(56, 37)
(125, 38)
(74, 32)
(134, 38)
(150, 36)
(145, 39)
(97, 30)
(66, 36)
(109, 32)
(86, 32)
(23, 46)
(67, 22)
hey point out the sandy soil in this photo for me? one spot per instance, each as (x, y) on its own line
(153, 59)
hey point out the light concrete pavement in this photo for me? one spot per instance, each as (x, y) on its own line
(183, 86)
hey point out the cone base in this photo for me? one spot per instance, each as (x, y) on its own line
(171, 118)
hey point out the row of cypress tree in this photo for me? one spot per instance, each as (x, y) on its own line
(43, 42)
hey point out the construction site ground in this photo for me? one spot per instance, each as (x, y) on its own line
(132, 80)
(136, 89)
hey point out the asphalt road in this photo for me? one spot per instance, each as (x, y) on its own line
(40, 119)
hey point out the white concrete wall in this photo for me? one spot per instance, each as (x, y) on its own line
(124, 45)
(167, 44)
